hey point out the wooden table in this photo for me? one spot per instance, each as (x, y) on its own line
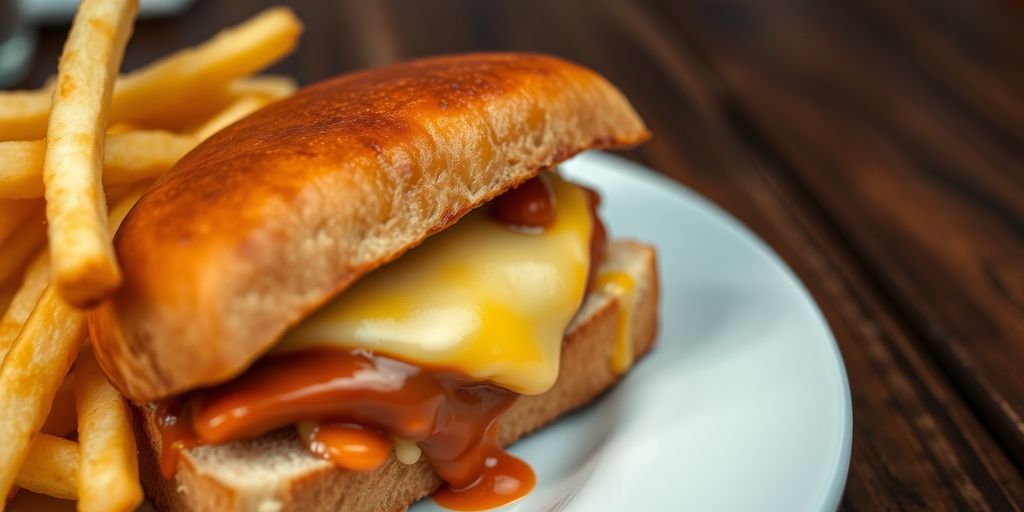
(877, 145)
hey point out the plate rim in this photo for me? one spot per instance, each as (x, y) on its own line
(840, 471)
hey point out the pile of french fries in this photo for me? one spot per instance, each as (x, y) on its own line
(88, 136)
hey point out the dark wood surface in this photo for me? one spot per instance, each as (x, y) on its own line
(878, 146)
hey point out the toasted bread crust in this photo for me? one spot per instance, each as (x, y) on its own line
(585, 373)
(271, 217)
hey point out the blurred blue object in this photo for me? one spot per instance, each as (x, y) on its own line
(17, 41)
(56, 12)
(18, 19)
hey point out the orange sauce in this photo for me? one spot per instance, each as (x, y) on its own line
(530, 205)
(352, 447)
(174, 423)
(446, 414)
(504, 479)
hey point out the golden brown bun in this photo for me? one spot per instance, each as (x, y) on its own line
(273, 216)
(277, 473)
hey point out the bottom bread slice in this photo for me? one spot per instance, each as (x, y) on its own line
(276, 473)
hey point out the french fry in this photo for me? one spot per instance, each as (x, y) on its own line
(13, 212)
(119, 127)
(37, 276)
(268, 87)
(19, 248)
(84, 267)
(20, 162)
(108, 476)
(129, 157)
(271, 87)
(177, 89)
(45, 344)
(23, 113)
(31, 375)
(143, 155)
(118, 193)
(174, 87)
(240, 108)
(51, 467)
(60, 146)
(118, 212)
(242, 97)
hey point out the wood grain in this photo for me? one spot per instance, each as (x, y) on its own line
(917, 162)
(877, 146)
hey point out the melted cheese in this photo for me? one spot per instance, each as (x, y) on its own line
(623, 286)
(480, 297)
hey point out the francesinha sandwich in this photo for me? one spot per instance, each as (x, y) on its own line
(359, 295)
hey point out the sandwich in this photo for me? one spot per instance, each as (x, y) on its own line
(360, 294)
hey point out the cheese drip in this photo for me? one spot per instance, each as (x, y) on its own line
(481, 298)
(623, 286)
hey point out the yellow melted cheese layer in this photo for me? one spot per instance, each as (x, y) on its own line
(481, 298)
(623, 286)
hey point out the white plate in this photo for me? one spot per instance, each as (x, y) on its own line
(742, 405)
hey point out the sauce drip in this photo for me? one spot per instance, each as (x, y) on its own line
(504, 479)
(175, 425)
(531, 205)
(447, 414)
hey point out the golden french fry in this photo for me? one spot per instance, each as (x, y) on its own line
(119, 127)
(268, 87)
(84, 267)
(178, 89)
(143, 155)
(271, 87)
(240, 108)
(119, 193)
(17, 250)
(122, 207)
(129, 157)
(238, 98)
(37, 276)
(13, 212)
(21, 165)
(23, 113)
(108, 476)
(175, 87)
(31, 374)
(51, 467)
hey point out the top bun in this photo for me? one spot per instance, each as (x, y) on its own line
(279, 212)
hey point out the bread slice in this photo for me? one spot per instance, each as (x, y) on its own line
(275, 473)
(271, 217)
